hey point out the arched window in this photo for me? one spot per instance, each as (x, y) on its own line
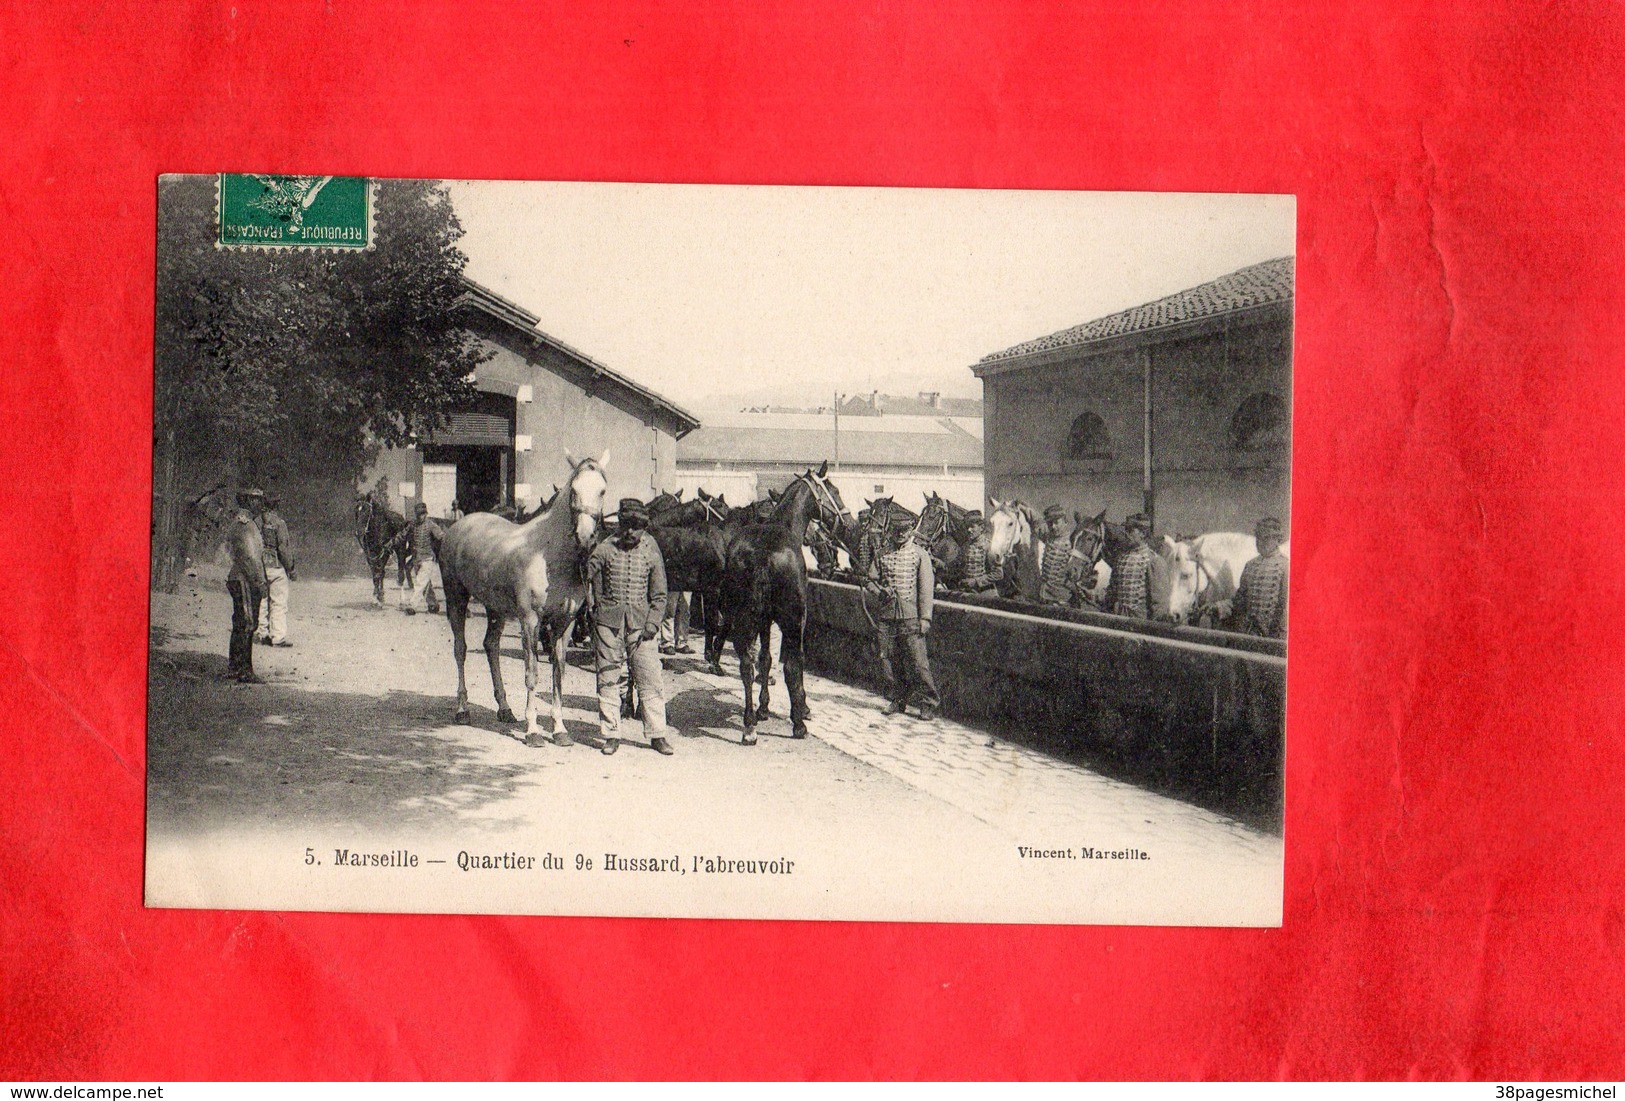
(1258, 422)
(1088, 439)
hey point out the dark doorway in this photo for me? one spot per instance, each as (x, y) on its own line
(481, 473)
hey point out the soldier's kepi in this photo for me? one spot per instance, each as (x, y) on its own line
(627, 577)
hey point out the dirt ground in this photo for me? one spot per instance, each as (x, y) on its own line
(350, 744)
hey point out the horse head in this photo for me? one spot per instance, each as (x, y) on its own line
(1088, 539)
(827, 498)
(1186, 577)
(934, 520)
(1009, 527)
(588, 487)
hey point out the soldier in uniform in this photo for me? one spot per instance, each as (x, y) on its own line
(869, 546)
(904, 581)
(420, 535)
(627, 577)
(278, 571)
(1259, 606)
(246, 583)
(1139, 586)
(979, 572)
(1055, 575)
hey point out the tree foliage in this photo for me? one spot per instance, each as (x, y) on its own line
(271, 364)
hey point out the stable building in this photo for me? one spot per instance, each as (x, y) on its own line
(1180, 408)
(536, 398)
(744, 455)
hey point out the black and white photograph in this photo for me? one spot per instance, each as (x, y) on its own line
(612, 549)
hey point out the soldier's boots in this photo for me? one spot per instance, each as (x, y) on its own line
(661, 746)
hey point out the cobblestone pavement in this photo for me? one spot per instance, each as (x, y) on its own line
(889, 817)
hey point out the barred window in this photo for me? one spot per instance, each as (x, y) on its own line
(1088, 438)
(1258, 422)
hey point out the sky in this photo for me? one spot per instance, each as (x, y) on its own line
(724, 296)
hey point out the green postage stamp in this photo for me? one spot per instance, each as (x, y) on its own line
(322, 212)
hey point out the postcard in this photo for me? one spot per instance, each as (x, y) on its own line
(723, 552)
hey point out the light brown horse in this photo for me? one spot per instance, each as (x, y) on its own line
(530, 572)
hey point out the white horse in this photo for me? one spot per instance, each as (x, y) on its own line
(1206, 570)
(1008, 529)
(531, 572)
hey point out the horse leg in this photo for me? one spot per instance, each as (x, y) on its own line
(457, 616)
(493, 654)
(527, 639)
(559, 641)
(714, 636)
(378, 582)
(743, 642)
(767, 664)
(790, 658)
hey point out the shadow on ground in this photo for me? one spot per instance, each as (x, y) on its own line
(223, 755)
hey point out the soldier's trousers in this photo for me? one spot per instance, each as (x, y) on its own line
(617, 649)
(245, 618)
(276, 603)
(900, 640)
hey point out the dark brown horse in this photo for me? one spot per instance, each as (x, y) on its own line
(376, 527)
(765, 583)
(694, 545)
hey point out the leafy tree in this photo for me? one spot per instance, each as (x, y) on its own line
(281, 365)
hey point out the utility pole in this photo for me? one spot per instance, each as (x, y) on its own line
(836, 408)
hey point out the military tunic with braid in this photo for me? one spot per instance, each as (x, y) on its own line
(1139, 585)
(1055, 576)
(907, 582)
(977, 576)
(1260, 601)
(628, 584)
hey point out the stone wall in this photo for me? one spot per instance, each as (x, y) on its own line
(1194, 711)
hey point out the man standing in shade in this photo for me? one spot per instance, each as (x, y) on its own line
(278, 570)
(904, 581)
(978, 571)
(245, 583)
(1259, 606)
(1139, 587)
(1055, 576)
(627, 577)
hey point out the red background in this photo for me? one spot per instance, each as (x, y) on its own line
(1454, 902)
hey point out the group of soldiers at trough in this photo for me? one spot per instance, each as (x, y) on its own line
(627, 583)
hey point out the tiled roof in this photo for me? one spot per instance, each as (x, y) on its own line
(1258, 285)
(511, 313)
(808, 440)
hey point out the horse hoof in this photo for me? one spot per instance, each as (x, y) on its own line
(715, 669)
(762, 714)
(799, 730)
(535, 741)
(506, 716)
(562, 738)
(749, 738)
(461, 718)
